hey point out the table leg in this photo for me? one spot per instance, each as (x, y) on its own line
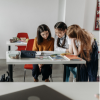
(78, 73)
(10, 69)
(64, 73)
(9, 48)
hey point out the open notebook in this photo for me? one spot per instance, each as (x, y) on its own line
(36, 93)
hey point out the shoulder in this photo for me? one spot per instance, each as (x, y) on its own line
(90, 35)
(35, 39)
(68, 39)
(52, 39)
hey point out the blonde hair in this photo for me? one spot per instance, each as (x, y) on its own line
(75, 31)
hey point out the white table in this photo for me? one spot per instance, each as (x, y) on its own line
(10, 63)
(75, 91)
(14, 44)
(38, 61)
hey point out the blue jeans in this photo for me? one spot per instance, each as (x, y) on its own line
(73, 70)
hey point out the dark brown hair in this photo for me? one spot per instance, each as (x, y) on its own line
(61, 26)
(41, 29)
(75, 31)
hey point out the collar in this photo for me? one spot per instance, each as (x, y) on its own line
(62, 38)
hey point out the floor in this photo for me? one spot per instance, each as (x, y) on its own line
(18, 73)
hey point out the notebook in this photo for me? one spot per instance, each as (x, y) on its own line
(72, 57)
(56, 57)
(42, 92)
(63, 54)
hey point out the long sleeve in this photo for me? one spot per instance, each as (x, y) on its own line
(35, 45)
(51, 46)
(56, 48)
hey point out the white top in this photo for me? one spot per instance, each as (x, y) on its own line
(76, 42)
(75, 91)
(66, 46)
(39, 61)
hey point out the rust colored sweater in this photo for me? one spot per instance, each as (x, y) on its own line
(46, 45)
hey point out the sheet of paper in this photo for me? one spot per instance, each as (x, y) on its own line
(38, 53)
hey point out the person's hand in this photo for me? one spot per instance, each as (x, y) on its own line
(97, 96)
(40, 66)
(73, 39)
(67, 50)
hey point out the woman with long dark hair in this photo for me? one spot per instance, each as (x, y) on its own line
(43, 42)
(61, 44)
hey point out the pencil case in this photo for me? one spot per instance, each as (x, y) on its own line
(28, 54)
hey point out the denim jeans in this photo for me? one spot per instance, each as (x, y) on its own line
(73, 70)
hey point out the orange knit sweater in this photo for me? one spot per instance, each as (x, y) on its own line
(46, 45)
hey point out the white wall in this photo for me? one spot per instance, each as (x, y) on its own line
(83, 13)
(25, 16)
(89, 18)
(75, 10)
(62, 10)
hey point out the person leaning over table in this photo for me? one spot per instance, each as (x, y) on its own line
(61, 44)
(43, 42)
(83, 44)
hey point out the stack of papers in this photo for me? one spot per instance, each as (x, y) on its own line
(38, 53)
(47, 53)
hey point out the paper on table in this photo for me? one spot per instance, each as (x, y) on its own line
(38, 53)
(43, 57)
(13, 52)
(47, 53)
(56, 57)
